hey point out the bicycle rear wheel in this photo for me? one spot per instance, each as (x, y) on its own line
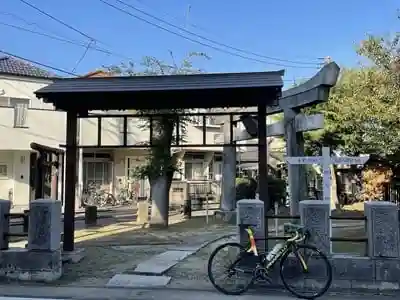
(311, 285)
(233, 256)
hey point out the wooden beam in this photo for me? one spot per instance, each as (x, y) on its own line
(303, 123)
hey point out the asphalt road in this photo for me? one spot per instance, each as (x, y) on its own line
(80, 293)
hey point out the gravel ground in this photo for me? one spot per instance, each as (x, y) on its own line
(195, 266)
(120, 250)
(102, 263)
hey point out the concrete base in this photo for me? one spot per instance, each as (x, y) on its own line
(73, 256)
(23, 264)
(352, 272)
(226, 216)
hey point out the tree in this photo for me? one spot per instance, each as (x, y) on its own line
(361, 116)
(161, 162)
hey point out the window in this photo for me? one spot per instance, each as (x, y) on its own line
(194, 170)
(3, 171)
(98, 172)
(20, 106)
(198, 120)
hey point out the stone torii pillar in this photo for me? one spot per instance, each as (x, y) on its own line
(315, 90)
(228, 197)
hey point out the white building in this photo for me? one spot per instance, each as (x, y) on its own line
(25, 119)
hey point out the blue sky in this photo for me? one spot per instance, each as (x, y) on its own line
(290, 30)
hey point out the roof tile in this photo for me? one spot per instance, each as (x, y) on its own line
(13, 66)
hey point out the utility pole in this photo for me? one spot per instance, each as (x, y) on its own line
(187, 15)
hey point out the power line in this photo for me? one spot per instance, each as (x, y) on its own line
(82, 57)
(191, 24)
(199, 42)
(29, 23)
(38, 63)
(58, 20)
(63, 40)
(91, 38)
(211, 40)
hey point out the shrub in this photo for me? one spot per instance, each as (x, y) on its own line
(246, 188)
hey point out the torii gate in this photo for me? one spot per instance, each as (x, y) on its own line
(315, 90)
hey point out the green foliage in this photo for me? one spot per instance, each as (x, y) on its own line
(246, 188)
(160, 161)
(276, 189)
(361, 115)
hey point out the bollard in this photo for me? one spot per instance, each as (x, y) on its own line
(383, 229)
(44, 225)
(250, 212)
(91, 215)
(142, 212)
(26, 221)
(187, 209)
(314, 216)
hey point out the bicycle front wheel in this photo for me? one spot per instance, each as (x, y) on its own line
(229, 271)
(306, 272)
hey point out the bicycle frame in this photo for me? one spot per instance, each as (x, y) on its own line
(289, 243)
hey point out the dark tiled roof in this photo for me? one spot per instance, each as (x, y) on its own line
(13, 66)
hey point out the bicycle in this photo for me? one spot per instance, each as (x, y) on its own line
(287, 252)
(95, 195)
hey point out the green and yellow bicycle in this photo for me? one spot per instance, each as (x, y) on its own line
(294, 256)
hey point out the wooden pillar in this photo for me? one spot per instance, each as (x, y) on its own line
(39, 176)
(55, 167)
(262, 162)
(61, 174)
(70, 180)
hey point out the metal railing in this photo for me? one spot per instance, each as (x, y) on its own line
(362, 239)
(359, 239)
(23, 221)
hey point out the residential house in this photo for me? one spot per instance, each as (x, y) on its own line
(25, 119)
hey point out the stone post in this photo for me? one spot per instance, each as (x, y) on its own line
(314, 215)
(44, 225)
(228, 172)
(143, 212)
(5, 206)
(251, 212)
(382, 229)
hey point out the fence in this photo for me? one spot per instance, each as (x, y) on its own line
(362, 239)
(23, 221)
(204, 195)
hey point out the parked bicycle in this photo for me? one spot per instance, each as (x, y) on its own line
(97, 196)
(128, 194)
(294, 258)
